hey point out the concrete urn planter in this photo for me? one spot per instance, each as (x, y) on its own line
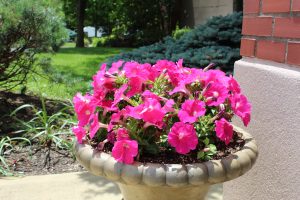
(154, 181)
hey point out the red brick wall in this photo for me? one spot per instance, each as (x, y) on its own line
(271, 30)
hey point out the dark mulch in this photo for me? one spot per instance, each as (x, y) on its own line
(10, 101)
(170, 157)
(36, 160)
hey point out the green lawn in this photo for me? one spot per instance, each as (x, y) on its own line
(71, 71)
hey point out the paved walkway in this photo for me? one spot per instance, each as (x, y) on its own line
(69, 186)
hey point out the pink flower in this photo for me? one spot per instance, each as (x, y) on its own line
(122, 134)
(84, 108)
(183, 137)
(134, 69)
(119, 94)
(135, 84)
(152, 112)
(95, 125)
(180, 88)
(116, 118)
(115, 67)
(215, 76)
(224, 130)
(134, 112)
(101, 81)
(168, 107)
(215, 94)
(233, 85)
(79, 132)
(191, 110)
(111, 137)
(148, 94)
(241, 107)
(161, 65)
(124, 151)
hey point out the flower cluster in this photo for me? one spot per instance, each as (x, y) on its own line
(140, 108)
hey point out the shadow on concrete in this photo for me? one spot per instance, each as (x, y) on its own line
(99, 186)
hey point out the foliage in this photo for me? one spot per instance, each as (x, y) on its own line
(132, 22)
(178, 32)
(47, 129)
(97, 14)
(217, 41)
(6, 143)
(28, 27)
(68, 71)
(143, 108)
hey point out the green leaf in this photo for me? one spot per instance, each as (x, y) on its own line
(206, 141)
(200, 155)
(213, 148)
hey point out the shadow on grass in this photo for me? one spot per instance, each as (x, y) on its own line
(93, 50)
(99, 186)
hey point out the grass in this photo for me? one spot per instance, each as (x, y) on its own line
(70, 71)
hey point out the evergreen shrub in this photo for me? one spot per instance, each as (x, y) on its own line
(217, 41)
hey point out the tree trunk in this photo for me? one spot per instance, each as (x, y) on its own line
(81, 4)
(96, 30)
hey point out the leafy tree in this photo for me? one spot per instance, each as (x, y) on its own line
(142, 21)
(217, 41)
(27, 27)
(97, 14)
(132, 22)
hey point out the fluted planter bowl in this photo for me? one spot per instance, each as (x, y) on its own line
(155, 181)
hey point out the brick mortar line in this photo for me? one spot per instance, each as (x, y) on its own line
(291, 6)
(270, 38)
(260, 7)
(287, 15)
(286, 52)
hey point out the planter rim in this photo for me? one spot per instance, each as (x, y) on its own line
(172, 175)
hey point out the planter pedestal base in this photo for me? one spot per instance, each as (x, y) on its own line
(140, 192)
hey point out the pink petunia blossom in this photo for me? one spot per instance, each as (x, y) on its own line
(233, 85)
(122, 134)
(153, 73)
(180, 88)
(135, 84)
(79, 132)
(241, 107)
(124, 151)
(149, 94)
(168, 107)
(84, 108)
(134, 69)
(111, 137)
(183, 137)
(224, 130)
(107, 106)
(152, 112)
(116, 118)
(215, 94)
(101, 81)
(95, 125)
(115, 66)
(191, 110)
(119, 94)
(162, 65)
(133, 111)
(214, 76)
